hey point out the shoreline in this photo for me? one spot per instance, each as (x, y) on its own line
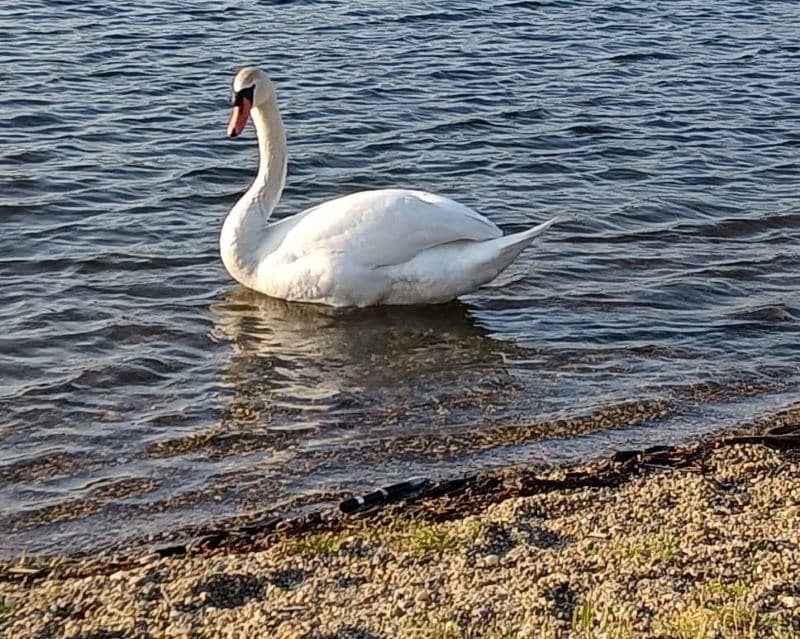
(695, 540)
(449, 446)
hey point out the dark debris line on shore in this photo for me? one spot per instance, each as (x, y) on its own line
(435, 502)
(447, 444)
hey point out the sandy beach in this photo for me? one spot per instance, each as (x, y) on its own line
(699, 541)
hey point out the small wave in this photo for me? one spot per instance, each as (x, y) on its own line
(529, 4)
(463, 13)
(623, 174)
(33, 120)
(466, 124)
(593, 130)
(642, 56)
(740, 227)
(769, 313)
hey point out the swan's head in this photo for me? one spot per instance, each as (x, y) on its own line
(251, 89)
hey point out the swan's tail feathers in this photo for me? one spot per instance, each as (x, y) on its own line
(497, 254)
(512, 245)
(536, 230)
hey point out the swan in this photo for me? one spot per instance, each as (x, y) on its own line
(387, 246)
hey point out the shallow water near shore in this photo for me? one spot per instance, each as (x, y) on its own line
(142, 391)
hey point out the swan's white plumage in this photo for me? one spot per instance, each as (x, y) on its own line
(391, 246)
(386, 227)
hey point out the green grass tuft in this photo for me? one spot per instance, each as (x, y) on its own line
(321, 546)
(425, 539)
(654, 547)
(590, 620)
(719, 611)
(7, 608)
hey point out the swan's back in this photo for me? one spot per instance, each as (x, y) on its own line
(384, 227)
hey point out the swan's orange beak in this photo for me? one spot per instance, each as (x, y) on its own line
(239, 115)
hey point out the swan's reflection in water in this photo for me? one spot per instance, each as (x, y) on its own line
(298, 366)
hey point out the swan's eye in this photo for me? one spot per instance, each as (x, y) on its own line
(243, 94)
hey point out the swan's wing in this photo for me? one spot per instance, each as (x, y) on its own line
(275, 232)
(379, 228)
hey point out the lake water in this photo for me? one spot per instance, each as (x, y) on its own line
(143, 391)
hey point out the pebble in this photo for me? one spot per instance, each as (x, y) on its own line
(491, 561)
(149, 558)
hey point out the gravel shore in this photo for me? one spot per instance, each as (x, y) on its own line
(706, 545)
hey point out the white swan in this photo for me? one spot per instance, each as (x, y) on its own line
(391, 246)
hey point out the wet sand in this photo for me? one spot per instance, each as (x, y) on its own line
(701, 540)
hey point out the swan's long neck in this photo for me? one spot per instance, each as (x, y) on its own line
(243, 230)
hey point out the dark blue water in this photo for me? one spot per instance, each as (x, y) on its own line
(142, 390)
